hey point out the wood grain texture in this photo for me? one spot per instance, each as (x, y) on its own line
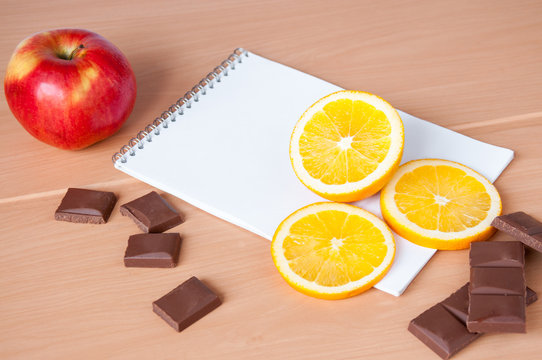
(473, 66)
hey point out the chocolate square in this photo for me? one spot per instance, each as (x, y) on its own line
(151, 213)
(497, 254)
(523, 227)
(496, 313)
(497, 281)
(186, 304)
(441, 331)
(86, 206)
(153, 250)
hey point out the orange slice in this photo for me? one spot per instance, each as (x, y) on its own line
(347, 145)
(332, 250)
(440, 204)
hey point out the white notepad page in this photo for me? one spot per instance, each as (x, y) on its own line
(228, 155)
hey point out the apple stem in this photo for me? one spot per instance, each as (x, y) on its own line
(75, 51)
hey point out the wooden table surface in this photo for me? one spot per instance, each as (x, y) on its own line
(472, 66)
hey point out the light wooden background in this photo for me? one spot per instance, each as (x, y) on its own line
(473, 66)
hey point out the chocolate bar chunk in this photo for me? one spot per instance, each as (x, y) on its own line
(151, 213)
(498, 254)
(523, 227)
(502, 281)
(496, 313)
(443, 327)
(86, 206)
(153, 250)
(497, 294)
(186, 304)
(441, 331)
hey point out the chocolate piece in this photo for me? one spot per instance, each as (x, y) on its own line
(186, 304)
(153, 250)
(86, 206)
(497, 254)
(497, 294)
(523, 227)
(151, 213)
(458, 303)
(441, 332)
(531, 297)
(500, 281)
(496, 313)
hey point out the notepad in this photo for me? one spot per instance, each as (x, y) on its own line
(224, 148)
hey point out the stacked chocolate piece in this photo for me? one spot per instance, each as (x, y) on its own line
(495, 298)
(497, 287)
(443, 327)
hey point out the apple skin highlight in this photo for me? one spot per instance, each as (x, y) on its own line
(69, 88)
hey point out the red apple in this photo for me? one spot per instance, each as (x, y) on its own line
(69, 87)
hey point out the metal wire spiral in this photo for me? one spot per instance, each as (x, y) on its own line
(180, 106)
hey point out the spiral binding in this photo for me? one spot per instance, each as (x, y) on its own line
(178, 109)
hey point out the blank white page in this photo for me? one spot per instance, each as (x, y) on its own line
(228, 154)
